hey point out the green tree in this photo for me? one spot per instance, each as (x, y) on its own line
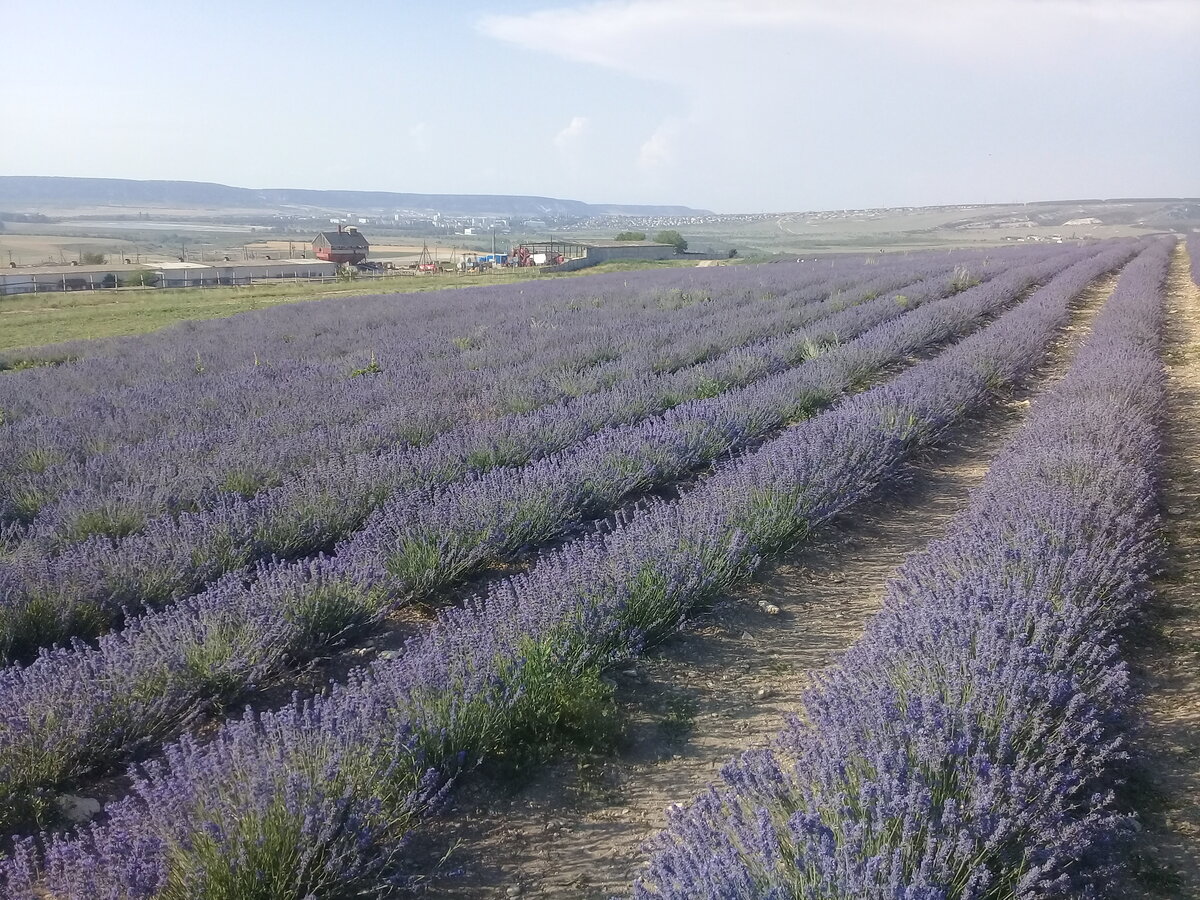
(93, 259)
(143, 277)
(674, 238)
(631, 236)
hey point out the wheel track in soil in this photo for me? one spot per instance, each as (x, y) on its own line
(1165, 655)
(575, 827)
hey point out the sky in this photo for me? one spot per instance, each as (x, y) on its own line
(728, 105)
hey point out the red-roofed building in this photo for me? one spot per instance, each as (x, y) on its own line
(346, 245)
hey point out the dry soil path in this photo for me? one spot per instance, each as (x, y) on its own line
(721, 686)
(1166, 754)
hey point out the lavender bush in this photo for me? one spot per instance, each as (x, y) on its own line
(72, 709)
(170, 444)
(517, 662)
(117, 492)
(88, 586)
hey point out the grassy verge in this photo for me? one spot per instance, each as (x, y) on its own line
(34, 320)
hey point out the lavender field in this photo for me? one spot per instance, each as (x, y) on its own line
(278, 591)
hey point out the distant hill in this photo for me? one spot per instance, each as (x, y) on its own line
(18, 192)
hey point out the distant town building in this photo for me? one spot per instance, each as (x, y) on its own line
(346, 245)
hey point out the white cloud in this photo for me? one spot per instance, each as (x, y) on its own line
(808, 103)
(659, 150)
(572, 133)
(651, 38)
(420, 136)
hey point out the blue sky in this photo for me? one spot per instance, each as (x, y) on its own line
(732, 105)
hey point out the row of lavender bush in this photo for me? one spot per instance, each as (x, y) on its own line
(116, 492)
(330, 335)
(85, 589)
(470, 344)
(315, 800)
(72, 710)
(315, 330)
(965, 746)
(193, 419)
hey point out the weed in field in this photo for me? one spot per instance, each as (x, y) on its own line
(777, 667)
(371, 368)
(680, 719)
(556, 710)
(963, 279)
(595, 783)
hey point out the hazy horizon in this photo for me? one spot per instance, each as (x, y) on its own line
(762, 105)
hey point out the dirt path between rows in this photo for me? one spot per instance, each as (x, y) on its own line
(721, 686)
(1166, 659)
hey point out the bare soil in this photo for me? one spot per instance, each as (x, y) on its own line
(1165, 780)
(575, 828)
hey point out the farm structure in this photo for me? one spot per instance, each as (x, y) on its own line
(558, 475)
(567, 256)
(608, 251)
(346, 245)
(64, 278)
(229, 273)
(45, 279)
